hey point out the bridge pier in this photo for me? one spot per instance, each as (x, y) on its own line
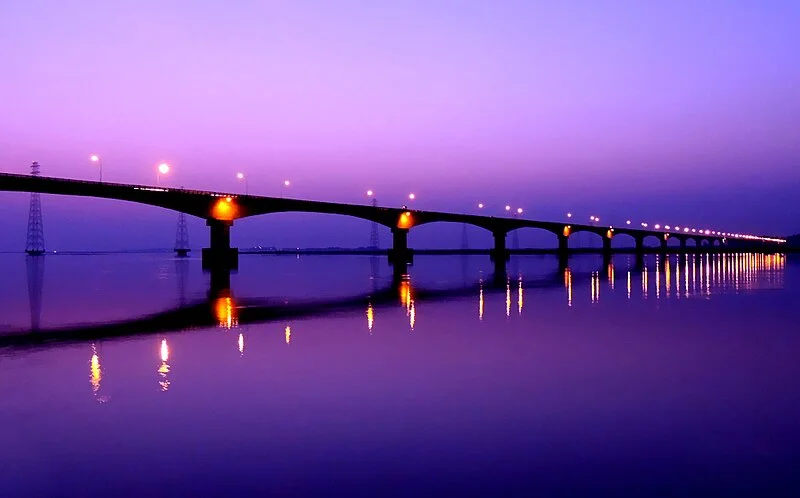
(220, 254)
(683, 244)
(400, 254)
(606, 245)
(639, 245)
(664, 244)
(499, 253)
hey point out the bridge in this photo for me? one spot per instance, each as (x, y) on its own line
(221, 210)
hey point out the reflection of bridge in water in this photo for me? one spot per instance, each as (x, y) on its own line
(662, 277)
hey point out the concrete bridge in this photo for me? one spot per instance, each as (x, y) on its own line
(221, 210)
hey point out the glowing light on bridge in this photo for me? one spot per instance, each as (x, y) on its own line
(406, 220)
(286, 183)
(225, 209)
(567, 230)
(644, 225)
(480, 205)
(370, 193)
(508, 208)
(161, 170)
(519, 210)
(685, 229)
(666, 227)
(412, 196)
(569, 215)
(657, 226)
(96, 159)
(628, 222)
(243, 177)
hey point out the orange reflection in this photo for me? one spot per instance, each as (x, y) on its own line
(508, 299)
(480, 302)
(519, 297)
(164, 368)
(241, 344)
(568, 285)
(226, 312)
(370, 317)
(611, 276)
(287, 332)
(225, 209)
(95, 374)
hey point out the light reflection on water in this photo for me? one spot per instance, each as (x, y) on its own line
(669, 364)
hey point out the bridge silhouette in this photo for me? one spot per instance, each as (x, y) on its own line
(221, 210)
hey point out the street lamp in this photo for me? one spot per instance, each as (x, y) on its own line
(241, 177)
(162, 169)
(628, 222)
(370, 193)
(508, 208)
(519, 210)
(480, 205)
(569, 215)
(411, 196)
(96, 159)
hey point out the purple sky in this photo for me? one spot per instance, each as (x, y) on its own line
(679, 111)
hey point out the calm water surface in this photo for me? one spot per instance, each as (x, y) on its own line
(319, 376)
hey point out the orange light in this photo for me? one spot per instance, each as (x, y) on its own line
(225, 210)
(567, 230)
(405, 221)
(610, 233)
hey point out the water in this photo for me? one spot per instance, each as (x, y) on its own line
(317, 376)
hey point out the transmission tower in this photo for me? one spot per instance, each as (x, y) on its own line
(182, 237)
(35, 243)
(374, 241)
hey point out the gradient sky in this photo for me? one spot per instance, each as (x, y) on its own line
(674, 111)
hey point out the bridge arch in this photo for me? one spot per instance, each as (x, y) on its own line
(532, 237)
(307, 229)
(581, 238)
(623, 240)
(449, 234)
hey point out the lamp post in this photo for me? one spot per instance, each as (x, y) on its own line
(243, 177)
(162, 169)
(96, 159)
